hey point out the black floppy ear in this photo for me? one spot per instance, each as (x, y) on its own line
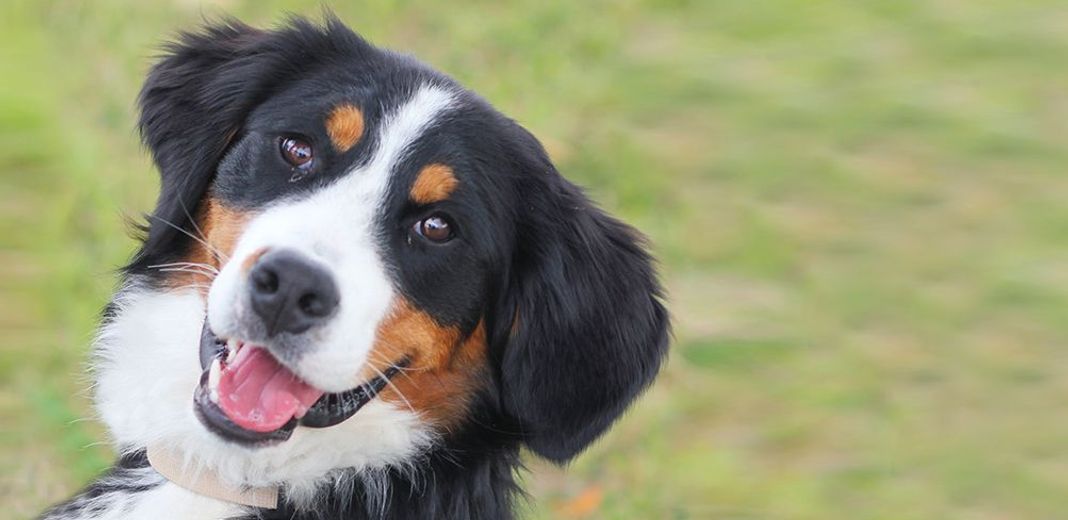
(583, 326)
(192, 104)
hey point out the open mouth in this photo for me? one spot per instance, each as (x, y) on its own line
(246, 396)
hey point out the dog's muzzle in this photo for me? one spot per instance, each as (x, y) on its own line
(246, 396)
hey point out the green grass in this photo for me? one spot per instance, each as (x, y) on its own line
(859, 208)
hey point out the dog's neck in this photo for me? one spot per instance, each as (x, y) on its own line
(445, 489)
(446, 485)
(133, 489)
(178, 469)
(476, 480)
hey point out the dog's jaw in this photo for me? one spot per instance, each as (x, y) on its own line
(147, 368)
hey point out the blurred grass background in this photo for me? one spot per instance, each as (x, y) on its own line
(860, 209)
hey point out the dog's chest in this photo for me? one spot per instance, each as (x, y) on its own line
(167, 500)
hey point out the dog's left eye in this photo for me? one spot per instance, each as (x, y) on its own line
(297, 152)
(435, 228)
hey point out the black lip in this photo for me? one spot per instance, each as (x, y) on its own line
(332, 409)
(329, 410)
(211, 346)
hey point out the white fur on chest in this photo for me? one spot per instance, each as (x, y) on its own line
(160, 500)
(170, 501)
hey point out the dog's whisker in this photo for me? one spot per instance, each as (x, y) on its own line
(193, 220)
(186, 264)
(187, 270)
(183, 263)
(218, 254)
(404, 371)
(394, 387)
(401, 371)
(396, 353)
(209, 276)
(197, 286)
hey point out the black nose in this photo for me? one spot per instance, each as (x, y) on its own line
(290, 293)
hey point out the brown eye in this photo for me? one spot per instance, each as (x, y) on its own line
(435, 228)
(296, 152)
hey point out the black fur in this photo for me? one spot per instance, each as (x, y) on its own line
(575, 325)
(195, 103)
(590, 329)
(122, 479)
(473, 476)
(192, 103)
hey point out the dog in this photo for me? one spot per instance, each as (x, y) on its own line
(361, 292)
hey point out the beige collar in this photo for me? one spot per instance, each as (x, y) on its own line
(206, 482)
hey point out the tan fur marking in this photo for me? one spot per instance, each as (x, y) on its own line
(252, 258)
(445, 368)
(220, 227)
(345, 127)
(434, 184)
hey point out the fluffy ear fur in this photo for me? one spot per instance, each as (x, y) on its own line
(196, 99)
(192, 103)
(583, 326)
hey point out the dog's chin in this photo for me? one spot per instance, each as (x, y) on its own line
(248, 397)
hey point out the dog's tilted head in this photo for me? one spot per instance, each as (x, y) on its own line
(354, 262)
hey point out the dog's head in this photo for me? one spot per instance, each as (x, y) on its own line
(351, 253)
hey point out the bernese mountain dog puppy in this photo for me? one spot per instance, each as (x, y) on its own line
(362, 291)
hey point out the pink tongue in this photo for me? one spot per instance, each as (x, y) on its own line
(259, 394)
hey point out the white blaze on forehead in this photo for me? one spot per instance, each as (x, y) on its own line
(405, 126)
(335, 226)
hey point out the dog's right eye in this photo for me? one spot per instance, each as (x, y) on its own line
(296, 152)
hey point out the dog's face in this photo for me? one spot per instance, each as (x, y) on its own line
(354, 260)
(361, 248)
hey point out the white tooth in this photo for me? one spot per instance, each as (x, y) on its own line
(214, 374)
(231, 349)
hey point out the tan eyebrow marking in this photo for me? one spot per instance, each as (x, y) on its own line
(434, 184)
(345, 126)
